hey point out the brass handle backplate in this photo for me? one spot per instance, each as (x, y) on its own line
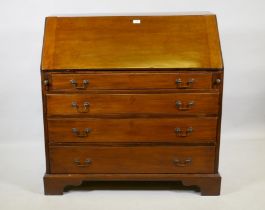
(83, 133)
(182, 163)
(182, 85)
(86, 162)
(181, 107)
(182, 133)
(75, 85)
(78, 109)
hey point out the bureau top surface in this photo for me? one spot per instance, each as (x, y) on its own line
(132, 42)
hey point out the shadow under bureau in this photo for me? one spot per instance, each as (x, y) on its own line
(132, 98)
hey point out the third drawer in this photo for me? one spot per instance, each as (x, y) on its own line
(184, 130)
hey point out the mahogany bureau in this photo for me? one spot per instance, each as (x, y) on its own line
(132, 98)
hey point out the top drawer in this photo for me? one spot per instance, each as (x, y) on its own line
(104, 81)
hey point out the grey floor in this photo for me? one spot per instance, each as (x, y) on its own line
(241, 166)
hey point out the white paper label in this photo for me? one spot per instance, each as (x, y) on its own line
(136, 21)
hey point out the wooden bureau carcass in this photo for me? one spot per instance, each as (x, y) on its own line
(132, 98)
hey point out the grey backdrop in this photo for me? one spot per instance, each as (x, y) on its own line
(22, 164)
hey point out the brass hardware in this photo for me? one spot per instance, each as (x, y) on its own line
(182, 133)
(84, 110)
(74, 84)
(182, 163)
(86, 163)
(188, 84)
(84, 133)
(46, 84)
(218, 81)
(180, 107)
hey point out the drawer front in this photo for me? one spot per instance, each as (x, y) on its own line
(174, 103)
(141, 159)
(133, 130)
(90, 81)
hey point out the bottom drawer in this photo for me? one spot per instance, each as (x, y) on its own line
(132, 159)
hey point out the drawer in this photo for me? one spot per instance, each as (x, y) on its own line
(133, 130)
(139, 159)
(93, 81)
(173, 103)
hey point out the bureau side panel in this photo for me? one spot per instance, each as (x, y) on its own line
(219, 75)
(44, 85)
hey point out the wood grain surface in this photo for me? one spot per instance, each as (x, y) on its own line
(133, 130)
(131, 81)
(180, 41)
(159, 159)
(61, 104)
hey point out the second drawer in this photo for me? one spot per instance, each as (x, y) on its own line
(133, 130)
(109, 104)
